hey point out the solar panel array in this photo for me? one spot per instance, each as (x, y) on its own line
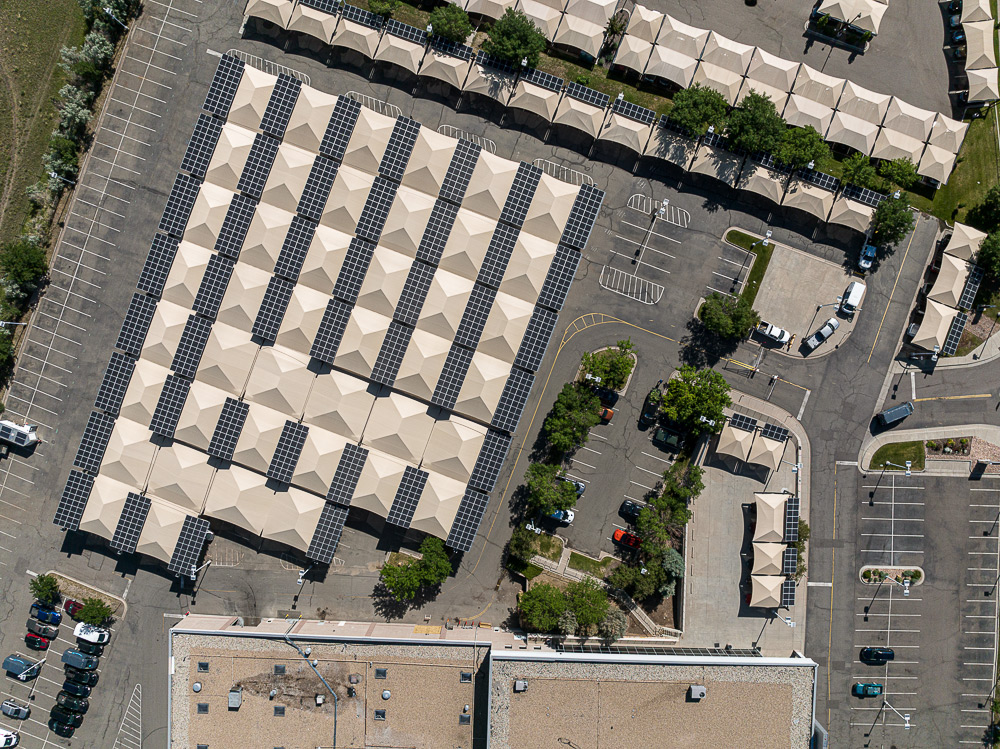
(294, 249)
(280, 105)
(317, 189)
(258, 165)
(331, 331)
(400, 146)
(955, 334)
(521, 193)
(407, 497)
(820, 179)
(791, 520)
(157, 266)
(341, 126)
(94, 442)
(543, 79)
(774, 432)
(364, 17)
(633, 111)
(446, 47)
(515, 395)
(169, 406)
(587, 95)
(202, 145)
(536, 339)
(582, 217)
(463, 163)
(742, 421)
(234, 227)
(559, 278)
(390, 356)
(191, 346)
(115, 383)
(286, 454)
(491, 457)
(190, 543)
(405, 31)
(327, 6)
(353, 270)
(498, 255)
(272, 309)
(136, 324)
(449, 384)
(788, 594)
(228, 429)
(789, 561)
(73, 501)
(224, 84)
(971, 288)
(435, 236)
(492, 62)
(466, 524)
(213, 286)
(326, 538)
(345, 479)
(179, 204)
(130, 523)
(477, 310)
(376, 209)
(863, 195)
(411, 300)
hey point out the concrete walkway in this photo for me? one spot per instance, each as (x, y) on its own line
(986, 432)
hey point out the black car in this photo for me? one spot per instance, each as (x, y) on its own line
(955, 22)
(630, 510)
(71, 702)
(74, 720)
(667, 439)
(90, 648)
(960, 52)
(877, 656)
(955, 6)
(608, 396)
(42, 630)
(957, 37)
(78, 676)
(650, 409)
(61, 729)
(77, 690)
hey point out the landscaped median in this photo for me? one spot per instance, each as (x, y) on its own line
(762, 256)
(937, 452)
(895, 454)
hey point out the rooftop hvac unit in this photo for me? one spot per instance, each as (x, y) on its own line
(520, 686)
(696, 692)
(235, 698)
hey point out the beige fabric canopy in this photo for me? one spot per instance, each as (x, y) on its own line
(726, 82)
(550, 208)
(207, 215)
(280, 380)
(438, 505)
(451, 70)
(265, 236)
(230, 156)
(772, 70)
(399, 426)
(252, 95)
(164, 333)
(892, 144)
(965, 242)
(766, 452)
(545, 15)
(489, 8)
(762, 181)
(362, 341)
(505, 326)
(429, 161)
(633, 53)
(580, 33)
(369, 140)
(803, 112)
(682, 38)
(243, 297)
(376, 488)
(143, 391)
(288, 176)
(339, 403)
(770, 517)
(310, 117)
(302, 320)
(528, 266)
(947, 134)
(765, 591)
(862, 14)
(819, 87)
(950, 281)
(852, 131)
(934, 326)
(104, 507)
(629, 133)
(768, 559)
(347, 199)
(313, 22)
(161, 530)
(976, 10)
(357, 37)
(595, 11)
(532, 98)
(727, 54)
(809, 198)
(318, 460)
(384, 282)
(276, 11)
(669, 146)
(445, 304)
(983, 85)
(909, 120)
(734, 443)
(863, 104)
(490, 82)
(936, 163)
(181, 475)
(292, 518)
(240, 497)
(401, 52)
(422, 364)
(483, 387)
(453, 448)
(714, 162)
(259, 438)
(852, 214)
(324, 259)
(645, 23)
(672, 65)
(777, 96)
(200, 416)
(579, 116)
(980, 52)
(184, 279)
(489, 186)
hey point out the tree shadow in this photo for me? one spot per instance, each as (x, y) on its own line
(390, 609)
(702, 348)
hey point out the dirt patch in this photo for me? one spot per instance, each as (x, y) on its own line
(78, 591)
(663, 613)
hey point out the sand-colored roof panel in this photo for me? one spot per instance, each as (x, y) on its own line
(983, 85)
(762, 181)
(445, 304)
(726, 82)
(259, 438)
(714, 162)
(852, 214)
(579, 116)
(313, 22)
(672, 65)
(505, 326)
(280, 380)
(467, 244)
(489, 8)
(550, 208)
(980, 50)
(910, 120)
(202, 409)
(633, 53)
(770, 517)
(181, 475)
(355, 36)
(669, 146)
(429, 161)
(228, 358)
(682, 38)
(772, 70)
(453, 448)
(976, 10)
(377, 485)
(853, 131)
(207, 215)
(488, 81)
(301, 321)
(369, 140)
(778, 96)
(892, 144)
(293, 517)
(483, 386)
(803, 112)
(276, 11)
(545, 17)
(362, 341)
(535, 99)
(767, 558)
(934, 326)
(310, 117)
(407, 219)
(129, 454)
(265, 236)
(580, 33)
(164, 333)
(727, 54)
(529, 263)
(339, 403)
(490, 184)
(243, 296)
(347, 199)
(766, 452)
(319, 460)
(809, 198)
(384, 281)
(645, 23)
(734, 443)
(161, 530)
(288, 177)
(240, 497)
(185, 275)
(252, 96)
(765, 591)
(862, 14)
(143, 391)
(438, 505)
(230, 156)
(947, 134)
(863, 103)
(595, 11)
(965, 241)
(399, 426)
(401, 52)
(324, 259)
(817, 86)
(950, 281)
(422, 364)
(104, 507)
(451, 70)
(626, 132)
(936, 163)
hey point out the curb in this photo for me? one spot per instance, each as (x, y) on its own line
(96, 590)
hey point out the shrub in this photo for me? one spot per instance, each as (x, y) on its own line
(514, 37)
(613, 365)
(384, 8)
(451, 22)
(567, 623)
(541, 606)
(932, 445)
(94, 612)
(613, 626)
(45, 588)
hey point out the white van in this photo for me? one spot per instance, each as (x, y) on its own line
(852, 298)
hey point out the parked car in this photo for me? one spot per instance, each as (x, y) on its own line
(877, 656)
(90, 633)
(42, 630)
(8, 738)
(72, 702)
(960, 52)
(608, 396)
(14, 709)
(71, 607)
(650, 409)
(667, 439)
(630, 510)
(897, 413)
(955, 21)
(605, 414)
(89, 648)
(20, 667)
(627, 539)
(66, 717)
(73, 657)
(79, 676)
(578, 485)
(77, 690)
(813, 341)
(955, 6)
(563, 516)
(45, 613)
(61, 729)
(861, 689)
(957, 37)
(867, 257)
(35, 642)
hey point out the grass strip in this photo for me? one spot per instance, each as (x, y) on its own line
(744, 241)
(590, 566)
(898, 453)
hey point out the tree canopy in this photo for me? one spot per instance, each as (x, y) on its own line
(546, 493)
(451, 22)
(588, 601)
(899, 172)
(94, 612)
(801, 145)
(514, 37)
(405, 581)
(755, 125)
(988, 257)
(728, 317)
(613, 365)
(384, 8)
(696, 393)
(45, 588)
(891, 221)
(986, 214)
(859, 170)
(23, 264)
(541, 606)
(697, 107)
(572, 416)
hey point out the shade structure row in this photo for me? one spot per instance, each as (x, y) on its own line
(861, 14)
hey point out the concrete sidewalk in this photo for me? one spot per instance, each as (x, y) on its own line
(985, 432)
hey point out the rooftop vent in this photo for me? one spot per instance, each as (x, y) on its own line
(381, 673)
(354, 679)
(466, 677)
(696, 692)
(279, 711)
(520, 686)
(202, 708)
(203, 667)
(386, 694)
(279, 669)
(380, 715)
(465, 720)
(196, 687)
(235, 697)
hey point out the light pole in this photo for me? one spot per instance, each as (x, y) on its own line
(6, 323)
(195, 570)
(56, 176)
(905, 717)
(108, 11)
(896, 465)
(821, 306)
(303, 573)
(764, 240)
(796, 467)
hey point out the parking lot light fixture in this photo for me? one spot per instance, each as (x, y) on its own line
(896, 465)
(705, 420)
(57, 176)
(905, 717)
(196, 570)
(108, 11)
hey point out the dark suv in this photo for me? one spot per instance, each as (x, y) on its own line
(71, 702)
(67, 718)
(79, 676)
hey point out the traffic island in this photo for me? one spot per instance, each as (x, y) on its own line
(905, 576)
(76, 590)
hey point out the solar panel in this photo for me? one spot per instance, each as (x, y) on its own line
(327, 6)
(791, 520)
(352, 272)
(587, 95)
(820, 179)
(272, 309)
(136, 324)
(73, 501)
(317, 189)
(157, 266)
(130, 523)
(407, 497)
(515, 395)
(788, 594)
(280, 105)
(445, 47)
(213, 286)
(582, 217)
(364, 17)
(456, 366)
(202, 145)
(437, 231)
(326, 537)
(477, 309)
(179, 204)
(286, 454)
(490, 461)
(228, 429)
(115, 383)
(400, 146)
(390, 356)
(492, 62)
(169, 406)
(94, 442)
(498, 255)
(190, 543)
(463, 163)
(191, 346)
(716, 140)
(331, 331)
(971, 288)
(955, 334)
(559, 278)
(536, 339)
(789, 561)
(376, 209)
(258, 165)
(411, 300)
(405, 31)
(633, 111)
(741, 421)
(345, 478)
(234, 227)
(521, 193)
(864, 195)
(768, 161)
(294, 249)
(224, 84)
(774, 432)
(341, 125)
(543, 79)
(466, 523)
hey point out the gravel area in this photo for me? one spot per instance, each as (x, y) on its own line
(979, 449)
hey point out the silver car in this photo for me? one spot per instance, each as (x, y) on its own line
(813, 341)
(15, 709)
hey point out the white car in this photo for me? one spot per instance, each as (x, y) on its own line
(8, 738)
(90, 633)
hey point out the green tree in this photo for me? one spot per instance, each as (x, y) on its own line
(613, 365)
(451, 22)
(384, 8)
(567, 624)
(697, 107)
(755, 125)
(541, 606)
(617, 25)
(900, 172)
(572, 416)
(613, 626)
(588, 601)
(404, 581)
(435, 565)
(800, 549)
(522, 545)
(94, 612)
(23, 265)
(641, 585)
(673, 562)
(986, 215)
(988, 257)
(859, 170)
(546, 493)
(74, 110)
(801, 145)
(6, 349)
(45, 588)
(696, 393)
(514, 37)
(728, 317)
(891, 221)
